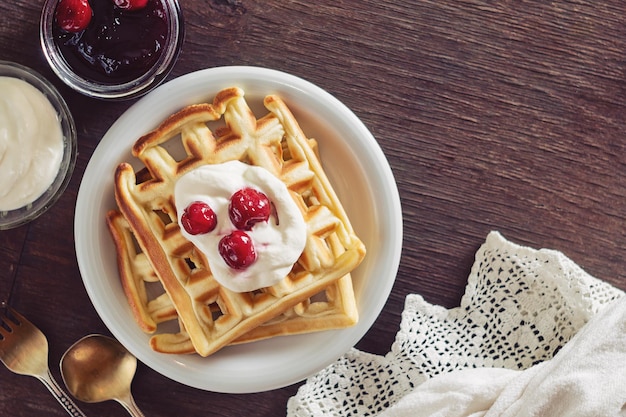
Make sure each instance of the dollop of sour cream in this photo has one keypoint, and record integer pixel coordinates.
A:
(278, 242)
(31, 143)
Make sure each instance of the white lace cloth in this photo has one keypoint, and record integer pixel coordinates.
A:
(521, 306)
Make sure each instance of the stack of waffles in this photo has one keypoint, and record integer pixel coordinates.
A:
(168, 282)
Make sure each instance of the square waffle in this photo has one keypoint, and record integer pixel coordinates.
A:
(168, 282)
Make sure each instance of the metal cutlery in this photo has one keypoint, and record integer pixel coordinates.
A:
(24, 350)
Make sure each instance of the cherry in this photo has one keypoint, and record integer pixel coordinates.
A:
(237, 250)
(248, 207)
(131, 4)
(73, 15)
(198, 218)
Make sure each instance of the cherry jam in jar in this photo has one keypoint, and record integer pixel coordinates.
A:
(118, 45)
(121, 53)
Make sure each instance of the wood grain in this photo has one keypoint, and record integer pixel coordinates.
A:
(494, 115)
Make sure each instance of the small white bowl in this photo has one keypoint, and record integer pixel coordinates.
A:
(17, 217)
(113, 90)
(359, 173)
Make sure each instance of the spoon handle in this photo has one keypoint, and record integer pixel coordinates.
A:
(60, 395)
(129, 404)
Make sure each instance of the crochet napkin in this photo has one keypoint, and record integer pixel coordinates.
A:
(535, 335)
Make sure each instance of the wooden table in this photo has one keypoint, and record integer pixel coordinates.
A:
(494, 115)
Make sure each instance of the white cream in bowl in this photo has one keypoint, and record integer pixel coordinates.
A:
(31, 143)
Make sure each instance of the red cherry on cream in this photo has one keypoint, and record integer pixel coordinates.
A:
(73, 15)
(237, 250)
(198, 218)
(248, 207)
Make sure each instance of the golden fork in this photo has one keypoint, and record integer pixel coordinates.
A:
(24, 350)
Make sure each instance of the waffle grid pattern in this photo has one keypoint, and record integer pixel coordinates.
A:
(167, 280)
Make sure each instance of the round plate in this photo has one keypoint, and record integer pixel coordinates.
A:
(355, 165)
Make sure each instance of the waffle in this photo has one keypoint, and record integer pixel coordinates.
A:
(168, 283)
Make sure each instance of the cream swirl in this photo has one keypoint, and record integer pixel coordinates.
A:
(278, 242)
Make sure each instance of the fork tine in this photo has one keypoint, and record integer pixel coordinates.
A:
(5, 321)
(12, 320)
(16, 319)
(3, 332)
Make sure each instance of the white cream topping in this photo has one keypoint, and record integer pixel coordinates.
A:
(278, 242)
(31, 143)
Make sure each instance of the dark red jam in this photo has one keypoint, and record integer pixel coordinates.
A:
(119, 45)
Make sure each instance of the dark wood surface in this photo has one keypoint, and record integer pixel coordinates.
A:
(494, 115)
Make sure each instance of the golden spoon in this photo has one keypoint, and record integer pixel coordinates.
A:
(98, 368)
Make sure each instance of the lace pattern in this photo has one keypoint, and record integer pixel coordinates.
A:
(520, 307)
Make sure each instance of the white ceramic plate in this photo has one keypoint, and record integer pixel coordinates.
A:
(355, 165)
